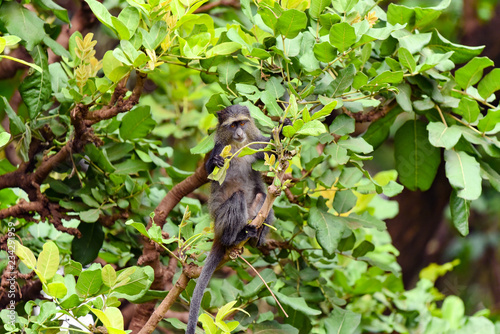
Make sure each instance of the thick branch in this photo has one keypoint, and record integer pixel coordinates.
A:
(165, 305)
(151, 256)
(174, 196)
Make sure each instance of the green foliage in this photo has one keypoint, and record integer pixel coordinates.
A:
(321, 65)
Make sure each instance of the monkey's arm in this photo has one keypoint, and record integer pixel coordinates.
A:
(215, 159)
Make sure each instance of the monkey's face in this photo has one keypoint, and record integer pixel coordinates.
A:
(238, 129)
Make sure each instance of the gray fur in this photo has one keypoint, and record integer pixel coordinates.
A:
(234, 203)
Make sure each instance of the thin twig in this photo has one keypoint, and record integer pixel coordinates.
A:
(263, 281)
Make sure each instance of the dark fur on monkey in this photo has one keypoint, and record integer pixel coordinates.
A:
(234, 202)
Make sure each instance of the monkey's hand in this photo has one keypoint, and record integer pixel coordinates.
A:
(251, 231)
(218, 161)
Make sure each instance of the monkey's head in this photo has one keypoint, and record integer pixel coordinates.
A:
(236, 125)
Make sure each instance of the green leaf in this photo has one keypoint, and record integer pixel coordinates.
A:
(113, 68)
(356, 144)
(59, 12)
(344, 201)
(57, 290)
(364, 220)
(363, 248)
(86, 248)
(415, 42)
(57, 48)
(227, 70)
(324, 52)
(108, 275)
(22, 22)
(491, 175)
(461, 53)
(274, 327)
(90, 216)
(137, 123)
(471, 73)
(460, 211)
(36, 88)
(441, 135)
(89, 282)
(463, 172)
(4, 138)
(342, 321)
(453, 311)
(223, 49)
(253, 288)
(337, 153)
(328, 229)
(297, 303)
(325, 111)
(258, 115)
(312, 128)
(137, 285)
(73, 268)
(25, 255)
(404, 97)
(291, 23)
(205, 145)
(490, 121)
(379, 130)
(343, 81)
(48, 261)
(131, 167)
(274, 87)
(489, 84)
(130, 17)
(101, 13)
(342, 36)
(468, 109)
(138, 226)
(120, 28)
(400, 14)
(416, 159)
(387, 77)
(317, 7)
(406, 59)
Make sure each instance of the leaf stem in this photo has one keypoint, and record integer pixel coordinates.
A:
(442, 116)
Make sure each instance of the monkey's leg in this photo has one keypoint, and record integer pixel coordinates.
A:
(231, 217)
(260, 238)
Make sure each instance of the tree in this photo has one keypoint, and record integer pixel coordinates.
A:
(102, 201)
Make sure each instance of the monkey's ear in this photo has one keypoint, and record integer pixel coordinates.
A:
(222, 115)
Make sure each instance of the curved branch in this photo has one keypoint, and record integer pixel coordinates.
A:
(150, 255)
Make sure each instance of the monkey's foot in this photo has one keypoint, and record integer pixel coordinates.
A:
(251, 231)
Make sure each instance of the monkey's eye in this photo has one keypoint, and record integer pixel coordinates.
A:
(242, 123)
(233, 125)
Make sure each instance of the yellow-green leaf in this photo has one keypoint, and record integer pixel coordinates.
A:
(48, 260)
(108, 275)
(57, 290)
(26, 255)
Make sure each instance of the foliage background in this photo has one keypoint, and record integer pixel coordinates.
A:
(117, 124)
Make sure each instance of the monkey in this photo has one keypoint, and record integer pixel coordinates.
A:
(234, 202)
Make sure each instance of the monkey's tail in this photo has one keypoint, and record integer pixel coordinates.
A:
(214, 258)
